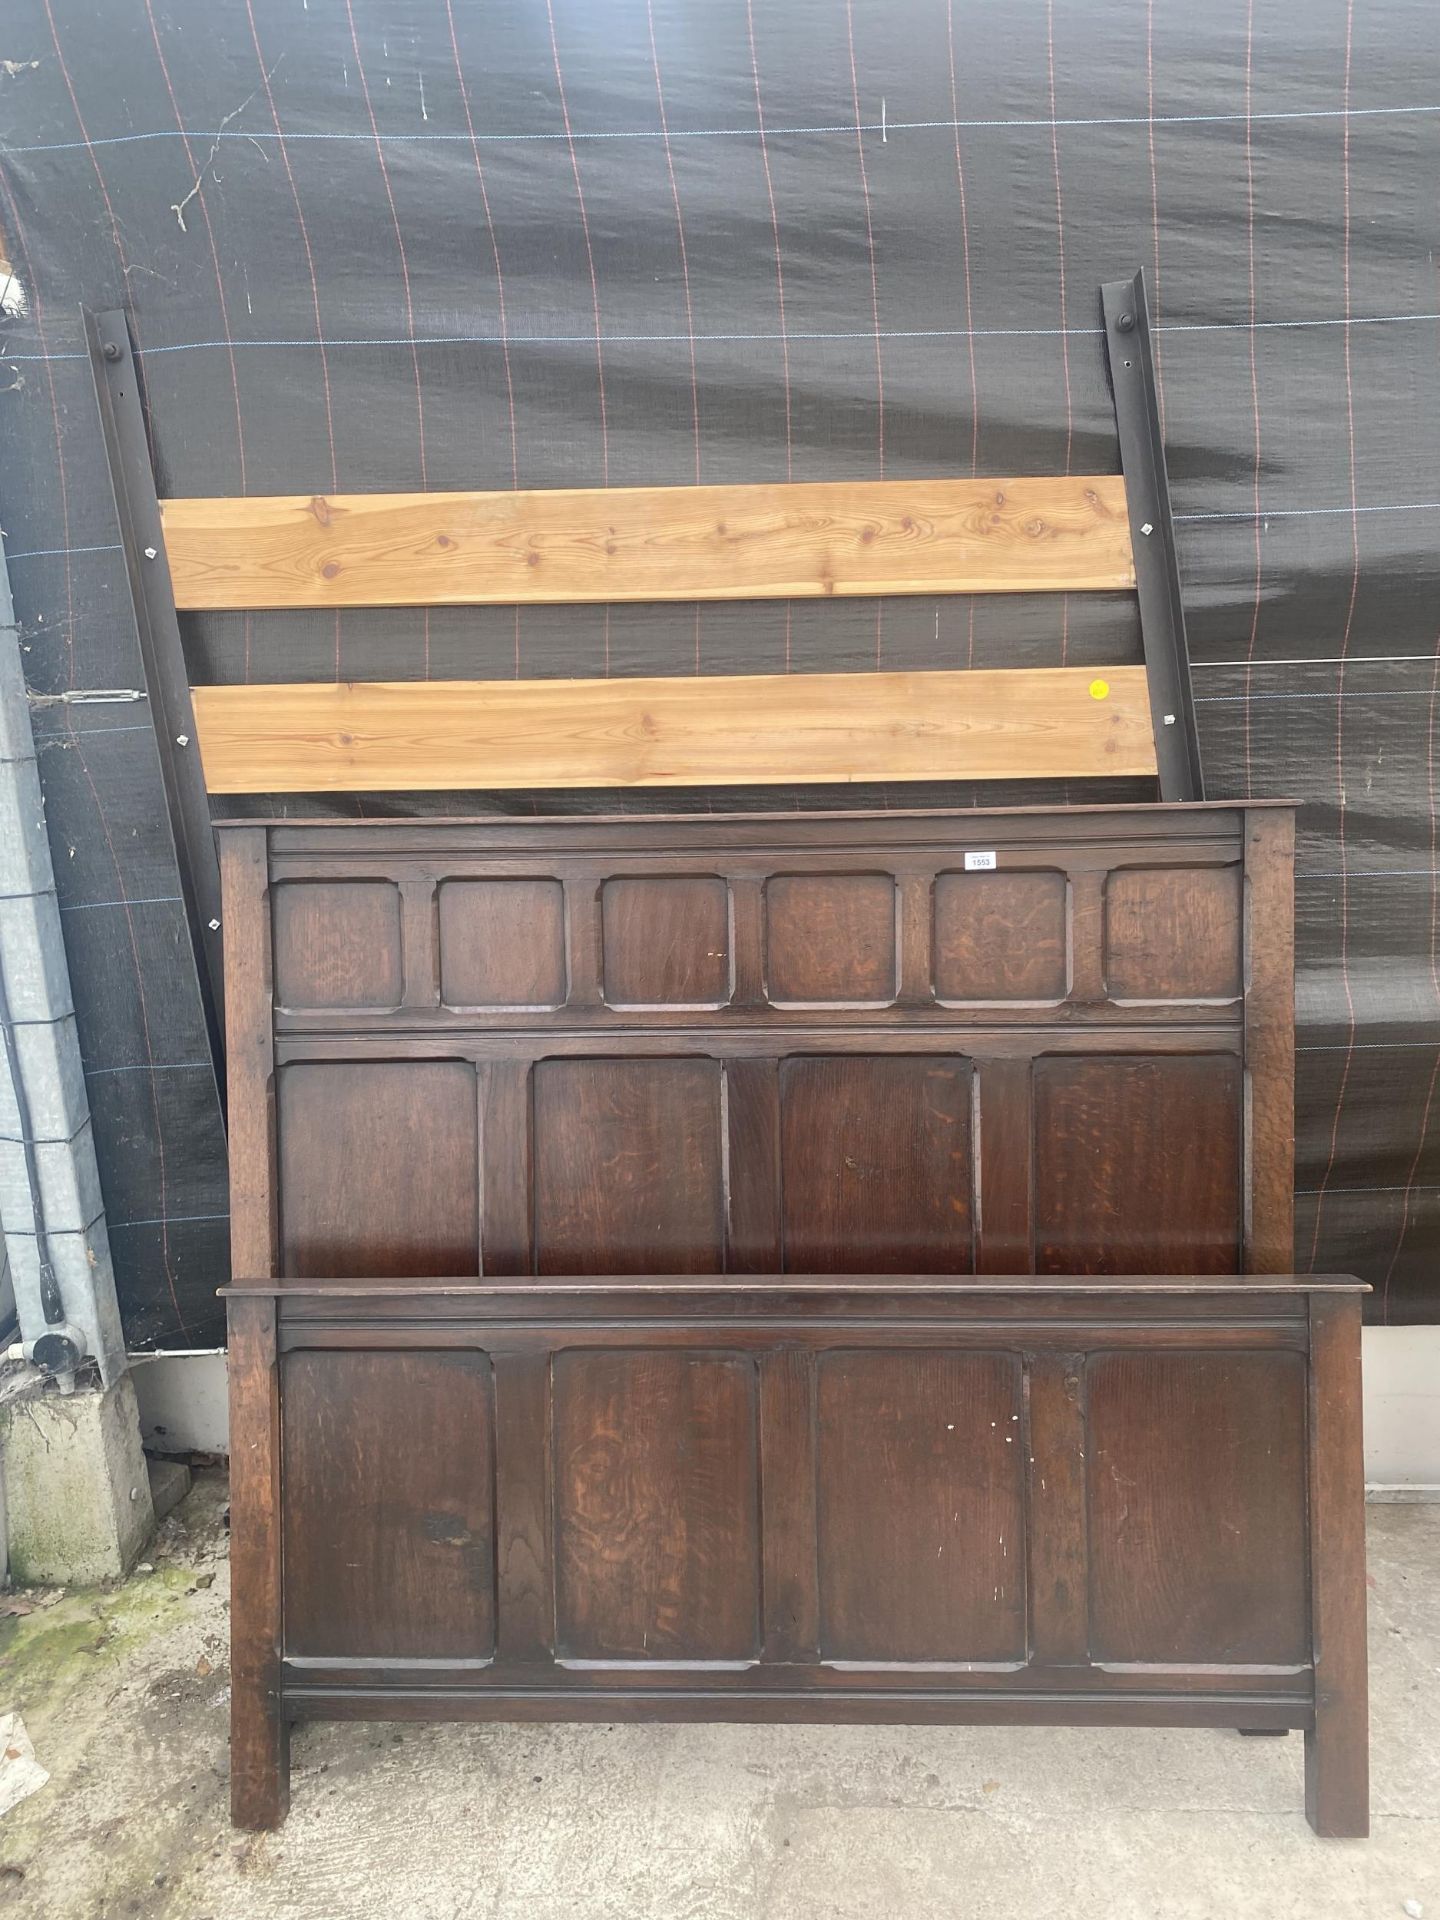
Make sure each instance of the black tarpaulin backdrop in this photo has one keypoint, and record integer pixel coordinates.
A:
(393, 244)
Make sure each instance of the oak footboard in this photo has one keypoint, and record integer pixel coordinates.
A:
(1035, 1500)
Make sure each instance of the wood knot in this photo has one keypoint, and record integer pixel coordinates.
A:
(320, 507)
(443, 540)
(867, 534)
(532, 559)
(331, 569)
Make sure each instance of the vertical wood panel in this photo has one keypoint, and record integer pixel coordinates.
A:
(830, 938)
(915, 929)
(921, 1506)
(1000, 936)
(250, 1053)
(419, 941)
(583, 960)
(379, 1166)
(389, 1532)
(1004, 1229)
(1337, 1783)
(1058, 1523)
(753, 1169)
(656, 1506)
(629, 1170)
(1173, 933)
(1270, 1041)
(1196, 1479)
(876, 1163)
(525, 1568)
(259, 1733)
(790, 1566)
(1087, 936)
(1137, 1163)
(747, 917)
(506, 1232)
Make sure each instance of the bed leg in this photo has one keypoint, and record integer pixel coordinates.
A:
(259, 1732)
(1337, 1758)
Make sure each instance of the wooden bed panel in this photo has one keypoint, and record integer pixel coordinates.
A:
(389, 1525)
(378, 1166)
(1196, 1484)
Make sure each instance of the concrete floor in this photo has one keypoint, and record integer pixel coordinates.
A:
(124, 1694)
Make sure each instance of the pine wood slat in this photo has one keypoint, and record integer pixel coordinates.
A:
(373, 736)
(803, 541)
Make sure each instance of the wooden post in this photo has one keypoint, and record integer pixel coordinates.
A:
(259, 1733)
(1337, 1758)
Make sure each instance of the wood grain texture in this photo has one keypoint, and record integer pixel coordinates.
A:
(666, 941)
(1196, 1485)
(249, 1052)
(875, 1172)
(1137, 1164)
(379, 1167)
(799, 541)
(830, 938)
(337, 943)
(502, 943)
(936, 1573)
(629, 1166)
(1270, 1040)
(1000, 936)
(259, 1732)
(656, 1513)
(389, 1549)
(1174, 933)
(731, 730)
(1337, 1774)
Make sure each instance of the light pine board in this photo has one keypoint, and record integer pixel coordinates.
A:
(651, 543)
(372, 736)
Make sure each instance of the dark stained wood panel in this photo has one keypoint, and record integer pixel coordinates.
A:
(1196, 1479)
(875, 1164)
(379, 1169)
(337, 943)
(389, 1535)
(657, 1543)
(1137, 1164)
(666, 941)
(937, 1574)
(831, 938)
(1000, 936)
(629, 1166)
(502, 943)
(1174, 933)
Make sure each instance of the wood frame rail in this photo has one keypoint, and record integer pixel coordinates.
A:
(736, 730)
(577, 546)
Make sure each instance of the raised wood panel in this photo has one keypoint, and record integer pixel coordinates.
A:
(337, 944)
(629, 1166)
(389, 1535)
(875, 1164)
(814, 539)
(938, 1572)
(1196, 1485)
(1137, 1164)
(1174, 933)
(1000, 936)
(378, 1168)
(831, 939)
(502, 943)
(730, 730)
(666, 941)
(657, 1540)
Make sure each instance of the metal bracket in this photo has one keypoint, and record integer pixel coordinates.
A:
(1152, 538)
(167, 680)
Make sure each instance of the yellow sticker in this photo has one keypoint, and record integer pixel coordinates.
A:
(1099, 689)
